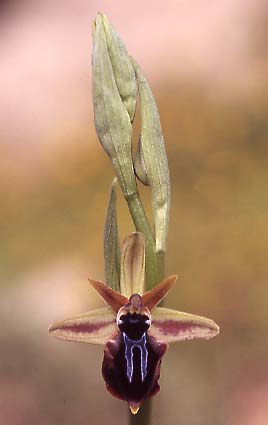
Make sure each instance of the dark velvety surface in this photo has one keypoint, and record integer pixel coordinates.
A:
(114, 369)
(134, 325)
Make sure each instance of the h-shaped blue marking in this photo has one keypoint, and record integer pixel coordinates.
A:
(141, 345)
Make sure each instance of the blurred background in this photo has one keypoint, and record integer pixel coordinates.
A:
(207, 65)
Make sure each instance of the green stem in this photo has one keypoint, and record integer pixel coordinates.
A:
(160, 258)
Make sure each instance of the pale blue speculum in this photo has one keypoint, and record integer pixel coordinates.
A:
(130, 344)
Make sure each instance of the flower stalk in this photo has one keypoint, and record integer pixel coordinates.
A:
(135, 332)
(116, 81)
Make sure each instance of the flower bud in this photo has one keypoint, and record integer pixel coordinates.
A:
(114, 100)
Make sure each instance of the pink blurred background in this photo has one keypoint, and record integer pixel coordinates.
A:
(207, 64)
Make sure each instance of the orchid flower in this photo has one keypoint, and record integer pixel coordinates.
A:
(134, 331)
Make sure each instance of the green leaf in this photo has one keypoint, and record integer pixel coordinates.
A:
(152, 157)
(111, 243)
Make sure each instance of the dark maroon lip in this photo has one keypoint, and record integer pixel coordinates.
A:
(115, 368)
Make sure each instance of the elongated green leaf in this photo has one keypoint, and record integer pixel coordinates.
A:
(111, 243)
(94, 327)
(133, 265)
(152, 156)
(172, 325)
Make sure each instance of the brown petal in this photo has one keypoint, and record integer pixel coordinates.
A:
(114, 299)
(151, 298)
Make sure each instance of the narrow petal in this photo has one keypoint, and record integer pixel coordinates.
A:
(114, 299)
(94, 327)
(151, 298)
(133, 265)
(172, 325)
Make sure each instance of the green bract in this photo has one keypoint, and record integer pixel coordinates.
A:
(111, 243)
(152, 160)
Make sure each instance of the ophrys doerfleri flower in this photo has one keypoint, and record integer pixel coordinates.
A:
(134, 331)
